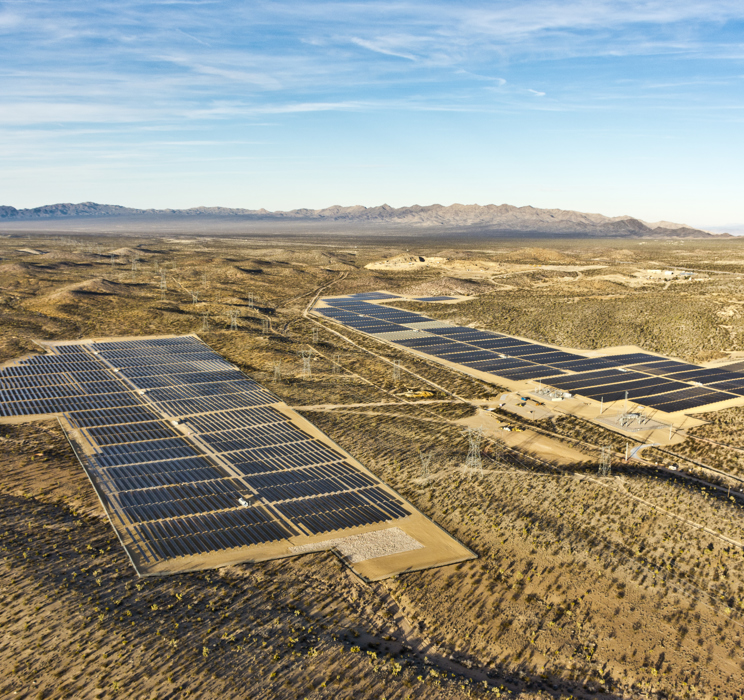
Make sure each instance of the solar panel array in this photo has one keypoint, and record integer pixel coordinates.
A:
(648, 380)
(177, 437)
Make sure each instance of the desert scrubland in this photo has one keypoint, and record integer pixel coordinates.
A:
(625, 586)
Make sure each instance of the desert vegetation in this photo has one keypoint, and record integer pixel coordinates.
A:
(625, 586)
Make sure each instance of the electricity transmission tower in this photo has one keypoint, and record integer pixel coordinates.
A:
(307, 356)
(396, 370)
(605, 461)
(194, 298)
(337, 366)
(250, 299)
(205, 321)
(475, 439)
(277, 372)
(204, 279)
(426, 458)
(113, 260)
(265, 326)
(233, 319)
(315, 336)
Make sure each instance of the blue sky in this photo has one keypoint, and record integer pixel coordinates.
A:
(615, 107)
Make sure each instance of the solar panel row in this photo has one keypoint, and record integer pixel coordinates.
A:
(650, 376)
(177, 501)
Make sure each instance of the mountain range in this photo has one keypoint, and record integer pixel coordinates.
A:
(495, 219)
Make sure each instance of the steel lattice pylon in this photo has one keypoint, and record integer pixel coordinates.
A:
(475, 440)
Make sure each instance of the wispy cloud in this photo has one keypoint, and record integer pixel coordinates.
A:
(383, 46)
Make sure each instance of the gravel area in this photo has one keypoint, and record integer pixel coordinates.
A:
(369, 545)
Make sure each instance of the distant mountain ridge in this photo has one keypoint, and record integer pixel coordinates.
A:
(497, 218)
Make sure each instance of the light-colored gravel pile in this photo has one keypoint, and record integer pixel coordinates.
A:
(369, 545)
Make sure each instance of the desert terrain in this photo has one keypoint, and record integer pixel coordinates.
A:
(629, 585)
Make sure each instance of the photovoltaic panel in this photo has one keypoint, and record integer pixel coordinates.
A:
(526, 350)
(584, 365)
(704, 376)
(732, 385)
(684, 400)
(588, 379)
(533, 372)
(635, 358)
(499, 364)
(550, 358)
(664, 367)
(615, 391)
